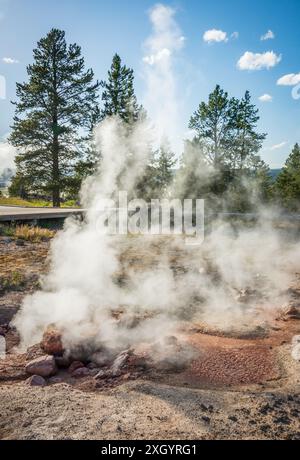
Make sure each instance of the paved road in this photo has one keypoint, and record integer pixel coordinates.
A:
(9, 213)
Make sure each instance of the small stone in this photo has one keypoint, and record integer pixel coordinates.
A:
(20, 242)
(75, 365)
(205, 419)
(81, 372)
(43, 366)
(36, 380)
(233, 418)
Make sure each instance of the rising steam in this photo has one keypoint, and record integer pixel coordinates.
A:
(119, 291)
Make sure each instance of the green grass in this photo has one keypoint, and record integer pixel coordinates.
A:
(13, 281)
(16, 201)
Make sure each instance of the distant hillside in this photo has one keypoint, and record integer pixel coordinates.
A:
(274, 173)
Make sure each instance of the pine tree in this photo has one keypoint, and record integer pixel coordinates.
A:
(287, 185)
(226, 130)
(244, 141)
(212, 123)
(53, 110)
(118, 93)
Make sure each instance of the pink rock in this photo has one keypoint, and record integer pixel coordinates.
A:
(36, 380)
(52, 342)
(43, 366)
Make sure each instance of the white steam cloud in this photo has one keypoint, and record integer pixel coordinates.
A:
(161, 97)
(7, 156)
(233, 280)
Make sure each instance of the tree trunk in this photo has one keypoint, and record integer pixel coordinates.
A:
(55, 173)
(55, 142)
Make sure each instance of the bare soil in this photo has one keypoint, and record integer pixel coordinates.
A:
(235, 387)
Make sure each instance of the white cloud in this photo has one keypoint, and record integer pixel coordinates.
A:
(290, 79)
(7, 155)
(234, 35)
(214, 35)
(278, 146)
(9, 60)
(268, 35)
(258, 61)
(266, 98)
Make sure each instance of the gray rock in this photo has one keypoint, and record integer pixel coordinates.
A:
(81, 372)
(36, 380)
(103, 374)
(120, 362)
(43, 366)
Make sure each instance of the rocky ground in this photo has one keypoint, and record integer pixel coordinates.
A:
(236, 387)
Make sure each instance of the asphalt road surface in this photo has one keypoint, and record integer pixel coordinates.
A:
(10, 213)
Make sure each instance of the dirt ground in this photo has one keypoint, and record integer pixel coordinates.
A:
(237, 387)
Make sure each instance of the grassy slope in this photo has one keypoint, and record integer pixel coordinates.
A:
(16, 201)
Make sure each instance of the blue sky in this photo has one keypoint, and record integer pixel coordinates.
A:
(103, 27)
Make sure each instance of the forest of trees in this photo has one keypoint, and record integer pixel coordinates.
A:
(57, 109)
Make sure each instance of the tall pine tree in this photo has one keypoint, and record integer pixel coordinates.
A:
(212, 123)
(52, 112)
(118, 93)
(243, 142)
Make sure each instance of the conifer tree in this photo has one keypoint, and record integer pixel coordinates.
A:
(118, 93)
(53, 113)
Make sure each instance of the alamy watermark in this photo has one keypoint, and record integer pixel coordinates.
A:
(156, 217)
